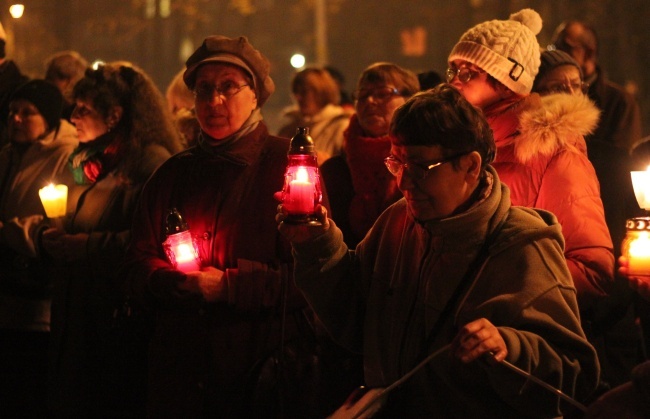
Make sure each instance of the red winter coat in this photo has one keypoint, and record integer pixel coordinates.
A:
(541, 156)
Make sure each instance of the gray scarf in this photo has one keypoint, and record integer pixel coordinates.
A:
(212, 145)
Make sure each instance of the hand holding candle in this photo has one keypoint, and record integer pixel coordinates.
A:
(54, 199)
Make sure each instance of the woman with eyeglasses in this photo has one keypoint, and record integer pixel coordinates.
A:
(40, 142)
(560, 80)
(223, 323)
(125, 132)
(358, 184)
(541, 150)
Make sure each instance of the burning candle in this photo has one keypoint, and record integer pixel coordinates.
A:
(300, 196)
(636, 245)
(179, 245)
(301, 193)
(182, 252)
(54, 199)
(639, 255)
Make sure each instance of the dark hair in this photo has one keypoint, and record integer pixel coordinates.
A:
(321, 82)
(442, 116)
(587, 38)
(429, 79)
(145, 118)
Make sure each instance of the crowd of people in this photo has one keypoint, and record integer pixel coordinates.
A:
(462, 259)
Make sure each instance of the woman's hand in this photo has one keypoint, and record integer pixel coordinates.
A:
(477, 338)
(208, 282)
(298, 233)
(64, 247)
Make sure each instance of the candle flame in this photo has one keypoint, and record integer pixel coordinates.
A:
(640, 247)
(51, 192)
(302, 175)
(184, 253)
(54, 198)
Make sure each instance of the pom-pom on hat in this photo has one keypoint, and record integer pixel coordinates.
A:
(237, 51)
(506, 49)
(45, 96)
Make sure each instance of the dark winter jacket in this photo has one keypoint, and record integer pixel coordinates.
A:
(203, 355)
(388, 295)
(88, 290)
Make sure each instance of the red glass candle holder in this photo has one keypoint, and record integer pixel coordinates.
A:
(180, 247)
(301, 193)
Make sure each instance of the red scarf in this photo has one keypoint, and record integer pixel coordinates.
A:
(503, 118)
(374, 187)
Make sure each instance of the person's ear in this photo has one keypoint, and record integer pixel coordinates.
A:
(471, 164)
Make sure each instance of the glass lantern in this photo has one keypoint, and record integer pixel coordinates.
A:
(301, 193)
(636, 244)
(180, 247)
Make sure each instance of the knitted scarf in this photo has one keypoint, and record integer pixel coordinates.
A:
(216, 146)
(374, 187)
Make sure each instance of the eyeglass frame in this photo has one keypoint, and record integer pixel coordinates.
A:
(451, 74)
(393, 92)
(218, 90)
(426, 169)
(563, 88)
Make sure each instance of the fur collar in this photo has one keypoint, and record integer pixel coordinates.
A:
(560, 121)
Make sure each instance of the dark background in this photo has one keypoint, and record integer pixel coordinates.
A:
(158, 35)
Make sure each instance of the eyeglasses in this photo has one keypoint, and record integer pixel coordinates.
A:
(566, 88)
(464, 74)
(379, 95)
(226, 89)
(415, 171)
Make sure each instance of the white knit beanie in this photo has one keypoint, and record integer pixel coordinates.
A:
(506, 49)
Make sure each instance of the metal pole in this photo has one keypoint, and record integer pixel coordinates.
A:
(320, 32)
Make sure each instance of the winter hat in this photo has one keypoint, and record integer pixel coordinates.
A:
(506, 49)
(555, 58)
(237, 51)
(45, 96)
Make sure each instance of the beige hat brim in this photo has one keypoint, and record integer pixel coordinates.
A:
(190, 73)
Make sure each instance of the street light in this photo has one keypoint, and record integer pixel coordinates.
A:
(17, 10)
(297, 61)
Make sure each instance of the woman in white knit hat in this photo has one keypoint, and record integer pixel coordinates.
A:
(541, 151)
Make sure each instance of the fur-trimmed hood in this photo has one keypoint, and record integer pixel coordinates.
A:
(560, 120)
